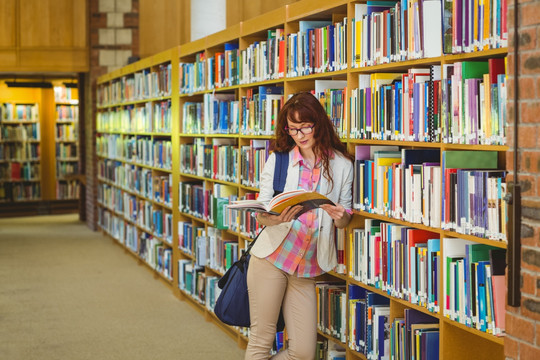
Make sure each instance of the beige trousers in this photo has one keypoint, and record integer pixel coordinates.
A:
(268, 287)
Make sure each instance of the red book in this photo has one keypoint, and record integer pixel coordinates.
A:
(496, 67)
(415, 237)
(15, 171)
(282, 56)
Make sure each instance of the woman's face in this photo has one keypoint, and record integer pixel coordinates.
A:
(302, 133)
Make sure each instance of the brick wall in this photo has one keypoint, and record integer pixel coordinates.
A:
(114, 37)
(523, 322)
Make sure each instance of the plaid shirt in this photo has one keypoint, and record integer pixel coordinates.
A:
(297, 254)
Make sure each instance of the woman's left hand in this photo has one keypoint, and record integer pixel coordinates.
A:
(338, 213)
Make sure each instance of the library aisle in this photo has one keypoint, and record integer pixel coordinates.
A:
(69, 293)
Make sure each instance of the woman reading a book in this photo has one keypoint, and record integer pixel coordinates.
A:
(292, 250)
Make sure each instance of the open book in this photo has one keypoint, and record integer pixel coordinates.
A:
(307, 199)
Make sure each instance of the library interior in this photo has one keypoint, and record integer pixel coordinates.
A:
(136, 132)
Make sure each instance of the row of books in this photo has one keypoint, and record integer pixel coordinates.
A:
(66, 151)
(129, 177)
(375, 335)
(213, 251)
(144, 187)
(217, 114)
(218, 160)
(192, 279)
(208, 204)
(66, 190)
(466, 105)
(407, 264)
(318, 47)
(384, 32)
(473, 108)
(474, 284)
(66, 168)
(195, 200)
(187, 233)
(64, 94)
(242, 222)
(20, 133)
(19, 171)
(156, 221)
(162, 224)
(473, 191)
(162, 187)
(67, 113)
(140, 150)
(155, 117)
(10, 191)
(329, 350)
(142, 85)
(147, 247)
(400, 260)
(66, 132)
(331, 309)
(19, 112)
(19, 151)
(407, 185)
(260, 108)
(155, 254)
(332, 95)
(252, 160)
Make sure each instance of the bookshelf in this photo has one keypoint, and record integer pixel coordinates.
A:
(31, 150)
(20, 160)
(67, 145)
(217, 156)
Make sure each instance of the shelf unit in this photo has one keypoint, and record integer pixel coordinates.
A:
(146, 116)
(67, 143)
(20, 164)
(457, 340)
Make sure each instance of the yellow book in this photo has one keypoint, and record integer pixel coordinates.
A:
(487, 13)
(415, 337)
(476, 20)
(486, 121)
(358, 34)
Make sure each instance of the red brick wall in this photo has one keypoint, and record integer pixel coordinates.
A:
(523, 322)
(114, 37)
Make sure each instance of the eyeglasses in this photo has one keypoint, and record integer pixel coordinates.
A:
(305, 130)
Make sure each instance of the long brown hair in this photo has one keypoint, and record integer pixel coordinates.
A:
(308, 109)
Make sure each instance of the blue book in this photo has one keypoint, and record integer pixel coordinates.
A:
(231, 46)
(372, 299)
(433, 245)
(481, 288)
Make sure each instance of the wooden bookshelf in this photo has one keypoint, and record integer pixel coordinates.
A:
(456, 340)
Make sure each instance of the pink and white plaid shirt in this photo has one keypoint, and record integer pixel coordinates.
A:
(297, 254)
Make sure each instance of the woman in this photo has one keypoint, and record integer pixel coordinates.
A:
(290, 253)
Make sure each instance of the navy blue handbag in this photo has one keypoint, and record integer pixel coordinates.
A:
(232, 305)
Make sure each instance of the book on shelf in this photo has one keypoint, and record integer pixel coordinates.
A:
(307, 199)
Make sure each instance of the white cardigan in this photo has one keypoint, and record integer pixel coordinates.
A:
(272, 236)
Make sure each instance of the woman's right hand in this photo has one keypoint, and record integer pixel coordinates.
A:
(286, 215)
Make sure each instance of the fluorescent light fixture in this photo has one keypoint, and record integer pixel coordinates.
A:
(29, 84)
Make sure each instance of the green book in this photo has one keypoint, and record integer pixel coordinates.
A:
(468, 159)
(474, 69)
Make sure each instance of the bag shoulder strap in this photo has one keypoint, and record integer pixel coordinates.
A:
(280, 171)
(280, 177)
